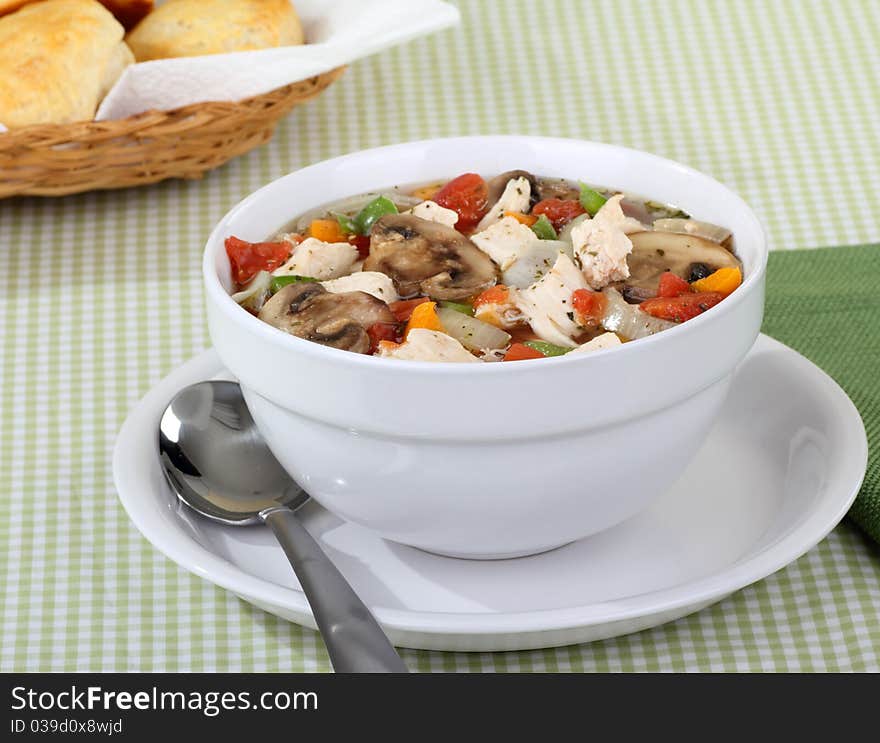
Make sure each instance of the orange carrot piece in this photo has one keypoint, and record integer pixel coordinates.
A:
(723, 281)
(327, 230)
(527, 219)
(424, 316)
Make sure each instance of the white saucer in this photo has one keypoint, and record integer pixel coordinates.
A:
(777, 473)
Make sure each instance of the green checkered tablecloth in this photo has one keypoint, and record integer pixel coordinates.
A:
(102, 297)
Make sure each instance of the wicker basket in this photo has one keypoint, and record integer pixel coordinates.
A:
(58, 159)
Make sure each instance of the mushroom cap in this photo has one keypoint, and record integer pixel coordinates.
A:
(341, 320)
(556, 188)
(423, 257)
(655, 252)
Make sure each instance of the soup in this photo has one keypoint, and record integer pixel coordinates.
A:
(510, 268)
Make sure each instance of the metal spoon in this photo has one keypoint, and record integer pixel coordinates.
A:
(218, 464)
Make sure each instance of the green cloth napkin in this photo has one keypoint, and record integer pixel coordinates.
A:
(825, 304)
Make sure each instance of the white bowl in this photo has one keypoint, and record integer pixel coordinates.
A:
(489, 460)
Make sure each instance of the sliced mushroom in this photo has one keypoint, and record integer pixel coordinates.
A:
(499, 183)
(656, 252)
(556, 188)
(423, 257)
(309, 311)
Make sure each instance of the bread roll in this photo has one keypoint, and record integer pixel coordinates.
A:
(58, 58)
(190, 28)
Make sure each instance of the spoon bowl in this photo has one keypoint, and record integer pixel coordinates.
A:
(218, 464)
(216, 460)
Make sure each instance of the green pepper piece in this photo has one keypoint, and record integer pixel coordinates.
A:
(548, 349)
(346, 224)
(280, 281)
(464, 309)
(544, 229)
(378, 207)
(591, 200)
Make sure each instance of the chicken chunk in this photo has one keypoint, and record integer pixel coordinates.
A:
(600, 342)
(601, 245)
(546, 304)
(433, 212)
(371, 282)
(426, 345)
(516, 197)
(504, 241)
(320, 260)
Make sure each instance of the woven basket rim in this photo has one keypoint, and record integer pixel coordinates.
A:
(151, 146)
(154, 116)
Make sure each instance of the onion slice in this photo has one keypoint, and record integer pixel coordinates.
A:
(475, 335)
(255, 294)
(628, 320)
(693, 227)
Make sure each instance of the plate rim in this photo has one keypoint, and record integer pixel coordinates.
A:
(825, 514)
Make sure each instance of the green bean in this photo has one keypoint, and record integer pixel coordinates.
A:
(548, 349)
(346, 223)
(464, 309)
(378, 207)
(544, 229)
(591, 200)
(281, 281)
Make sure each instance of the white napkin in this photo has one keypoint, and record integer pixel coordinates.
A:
(337, 32)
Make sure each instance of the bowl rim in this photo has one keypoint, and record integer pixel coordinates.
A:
(222, 300)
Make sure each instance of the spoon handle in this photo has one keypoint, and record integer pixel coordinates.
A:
(354, 640)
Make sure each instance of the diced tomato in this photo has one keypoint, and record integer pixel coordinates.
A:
(521, 352)
(497, 294)
(672, 285)
(248, 259)
(468, 195)
(589, 306)
(382, 331)
(362, 243)
(559, 211)
(403, 309)
(683, 307)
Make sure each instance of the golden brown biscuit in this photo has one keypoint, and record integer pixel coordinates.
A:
(58, 58)
(190, 28)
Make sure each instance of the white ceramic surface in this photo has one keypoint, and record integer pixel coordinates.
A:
(771, 480)
(487, 460)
